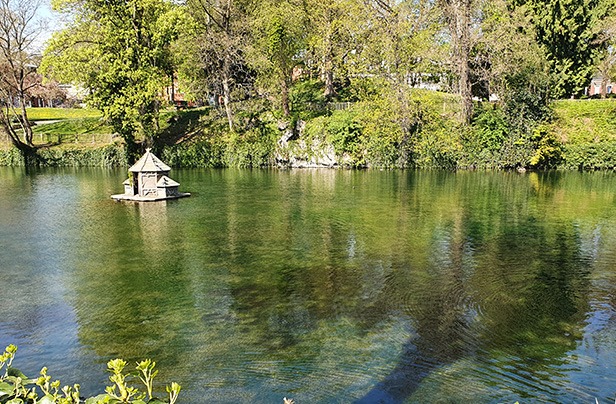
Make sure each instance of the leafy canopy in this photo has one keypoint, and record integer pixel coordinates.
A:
(120, 52)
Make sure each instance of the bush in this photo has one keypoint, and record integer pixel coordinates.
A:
(548, 150)
(308, 99)
(343, 131)
(111, 155)
(589, 156)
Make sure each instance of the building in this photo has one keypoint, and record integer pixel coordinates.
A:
(149, 181)
(595, 86)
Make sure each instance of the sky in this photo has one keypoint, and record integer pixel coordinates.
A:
(52, 21)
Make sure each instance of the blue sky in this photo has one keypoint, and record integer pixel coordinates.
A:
(52, 20)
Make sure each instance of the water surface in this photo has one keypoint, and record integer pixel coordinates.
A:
(321, 285)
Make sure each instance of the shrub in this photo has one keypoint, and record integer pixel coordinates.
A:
(589, 156)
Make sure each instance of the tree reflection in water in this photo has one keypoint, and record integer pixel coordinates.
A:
(337, 285)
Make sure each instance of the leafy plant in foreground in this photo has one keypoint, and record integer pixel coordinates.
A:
(16, 388)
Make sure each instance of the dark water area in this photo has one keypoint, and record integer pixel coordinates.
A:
(320, 285)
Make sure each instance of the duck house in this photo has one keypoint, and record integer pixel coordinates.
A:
(149, 181)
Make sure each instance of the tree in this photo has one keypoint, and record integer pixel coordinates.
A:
(18, 31)
(458, 16)
(513, 64)
(606, 60)
(331, 26)
(278, 38)
(218, 46)
(567, 31)
(120, 51)
(49, 92)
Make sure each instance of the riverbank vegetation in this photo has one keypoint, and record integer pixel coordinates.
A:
(451, 84)
(580, 134)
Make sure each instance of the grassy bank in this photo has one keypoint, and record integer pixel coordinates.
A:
(419, 129)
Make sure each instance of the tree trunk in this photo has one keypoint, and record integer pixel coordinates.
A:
(226, 96)
(458, 14)
(603, 89)
(328, 67)
(172, 90)
(286, 109)
(464, 49)
(329, 80)
(25, 123)
(28, 152)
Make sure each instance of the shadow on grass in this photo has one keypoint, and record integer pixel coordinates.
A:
(182, 125)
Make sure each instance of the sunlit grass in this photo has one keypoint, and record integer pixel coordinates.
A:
(92, 130)
(46, 114)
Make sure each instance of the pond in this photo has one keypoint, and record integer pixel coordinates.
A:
(320, 285)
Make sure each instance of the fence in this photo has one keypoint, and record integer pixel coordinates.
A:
(338, 106)
(45, 138)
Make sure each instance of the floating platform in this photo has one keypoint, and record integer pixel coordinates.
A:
(137, 198)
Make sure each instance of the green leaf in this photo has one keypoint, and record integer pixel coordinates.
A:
(101, 398)
(15, 401)
(5, 389)
(16, 373)
(46, 400)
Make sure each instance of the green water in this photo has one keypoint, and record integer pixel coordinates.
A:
(321, 285)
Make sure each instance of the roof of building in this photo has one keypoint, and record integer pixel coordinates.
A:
(149, 163)
(166, 182)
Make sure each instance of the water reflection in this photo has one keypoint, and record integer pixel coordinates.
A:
(331, 285)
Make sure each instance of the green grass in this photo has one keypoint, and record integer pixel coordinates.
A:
(74, 127)
(47, 114)
(73, 130)
(582, 121)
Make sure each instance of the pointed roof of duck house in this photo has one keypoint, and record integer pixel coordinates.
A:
(149, 163)
(166, 182)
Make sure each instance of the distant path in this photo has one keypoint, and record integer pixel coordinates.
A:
(46, 122)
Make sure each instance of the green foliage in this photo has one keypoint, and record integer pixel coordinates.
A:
(587, 121)
(11, 157)
(307, 99)
(253, 148)
(548, 150)
(343, 131)
(586, 131)
(147, 374)
(16, 388)
(491, 143)
(565, 28)
(387, 132)
(527, 100)
(121, 52)
(200, 154)
(383, 134)
(490, 128)
(278, 36)
(589, 156)
(111, 155)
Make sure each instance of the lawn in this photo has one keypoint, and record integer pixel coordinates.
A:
(73, 130)
(52, 114)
